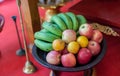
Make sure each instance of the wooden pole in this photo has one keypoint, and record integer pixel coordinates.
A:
(31, 17)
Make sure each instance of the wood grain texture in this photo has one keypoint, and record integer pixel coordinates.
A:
(31, 17)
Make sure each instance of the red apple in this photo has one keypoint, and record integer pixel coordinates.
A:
(84, 56)
(86, 30)
(94, 47)
(97, 36)
(65, 51)
(68, 60)
(69, 35)
(53, 57)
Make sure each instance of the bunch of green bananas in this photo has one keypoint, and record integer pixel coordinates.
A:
(53, 30)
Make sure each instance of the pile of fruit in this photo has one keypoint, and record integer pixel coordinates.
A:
(69, 40)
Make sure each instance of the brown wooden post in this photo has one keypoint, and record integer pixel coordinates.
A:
(31, 17)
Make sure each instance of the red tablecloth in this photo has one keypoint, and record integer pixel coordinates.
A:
(12, 65)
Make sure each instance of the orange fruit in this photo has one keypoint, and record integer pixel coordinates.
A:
(73, 47)
(58, 44)
(83, 41)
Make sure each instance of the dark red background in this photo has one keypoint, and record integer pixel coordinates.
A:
(12, 65)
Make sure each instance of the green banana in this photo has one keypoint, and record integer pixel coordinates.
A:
(45, 36)
(81, 19)
(74, 20)
(52, 28)
(57, 20)
(66, 19)
(44, 30)
(44, 46)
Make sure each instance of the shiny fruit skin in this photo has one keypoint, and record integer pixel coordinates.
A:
(69, 35)
(84, 56)
(53, 57)
(58, 45)
(73, 47)
(86, 30)
(97, 36)
(83, 41)
(94, 47)
(68, 60)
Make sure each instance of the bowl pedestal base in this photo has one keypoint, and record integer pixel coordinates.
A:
(88, 72)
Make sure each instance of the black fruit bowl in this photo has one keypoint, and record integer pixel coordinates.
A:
(40, 56)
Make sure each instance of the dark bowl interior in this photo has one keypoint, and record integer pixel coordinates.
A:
(40, 57)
